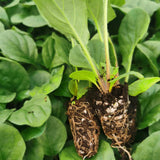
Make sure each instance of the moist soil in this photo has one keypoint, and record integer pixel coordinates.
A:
(84, 127)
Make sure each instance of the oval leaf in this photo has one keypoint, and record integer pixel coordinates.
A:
(4, 114)
(19, 47)
(149, 148)
(11, 142)
(142, 85)
(54, 137)
(33, 113)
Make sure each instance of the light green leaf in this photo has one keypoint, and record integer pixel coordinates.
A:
(95, 9)
(131, 31)
(142, 85)
(54, 137)
(149, 107)
(4, 114)
(73, 87)
(34, 21)
(83, 87)
(151, 51)
(19, 47)
(147, 5)
(118, 2)
(11, 142)
(52, 85)
(29, 133)
(13, 3)
(4, 17)
(67, 16)
(33, 113)
(149, 148)
(34, 151)
(13, 76)
(105, 152)
(1, 27)
(154, 128)
(84, 75)
(6, 96)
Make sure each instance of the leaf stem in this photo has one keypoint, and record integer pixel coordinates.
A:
(106, 42)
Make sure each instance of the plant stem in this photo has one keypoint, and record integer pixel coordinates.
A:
(106, 42)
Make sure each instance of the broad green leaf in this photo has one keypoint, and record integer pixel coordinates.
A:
(118, 2)
(52, 85)
(11, 142)
(83, 87)
(13, 76)
(34, 21)
(151, 50)
(19, 47)
(6, 96)
(142, 85)
(105, 152)
(147, 5)
(154, 128)
(58, 108)
(29, 133)
(149, 148)
(84, 75)
(54, 137)
(4, 17)
(13, 3)
(34, 151)
(2, 106)
(33, 113)
(1, 27)
(67, 16)
(149, 107)
(4, 114)
(95, 10)
(39, 78)
(131, 31)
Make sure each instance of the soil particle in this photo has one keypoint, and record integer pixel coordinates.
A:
(84, 127)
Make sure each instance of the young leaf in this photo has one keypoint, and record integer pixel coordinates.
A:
(82, 88)
(33, 113)
(151, 51)
(67, 17)
(142, 85)
(150, 147)
(131, 31)
(52, 85)
(54, 137)
(117, 2)
(19, 47)
(13, 146)
(84, 75)
(13, 76)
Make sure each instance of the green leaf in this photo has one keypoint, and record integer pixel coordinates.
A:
(131, 31)
(30, 133)
(34, 151)
(11, 142)
(142, 85)
(4, 114)
(4, 17)
(67, 17)
(13, 3)
(147, 5)
(83, 87)
(34, 21)
(13, 76)
(149, 107)
(52, 85)
(72, 86)
(1, 27)
(151, 51)
(6, 96)
(154, 128)
(54, 137)
(104, 152)
(33, 113)
(149, 148)
(84, 75)
(19, 47)
(95, 9)
(118, 2)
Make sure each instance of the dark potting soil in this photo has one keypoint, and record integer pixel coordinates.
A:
(84, 127)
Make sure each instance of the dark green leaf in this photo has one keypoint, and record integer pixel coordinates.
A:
(13, 76)
(149, 148)
(68, 17)
(18, 47)
(33, 113)
(54, 137)
(142, 85)
(154, 128)
(11, 142)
